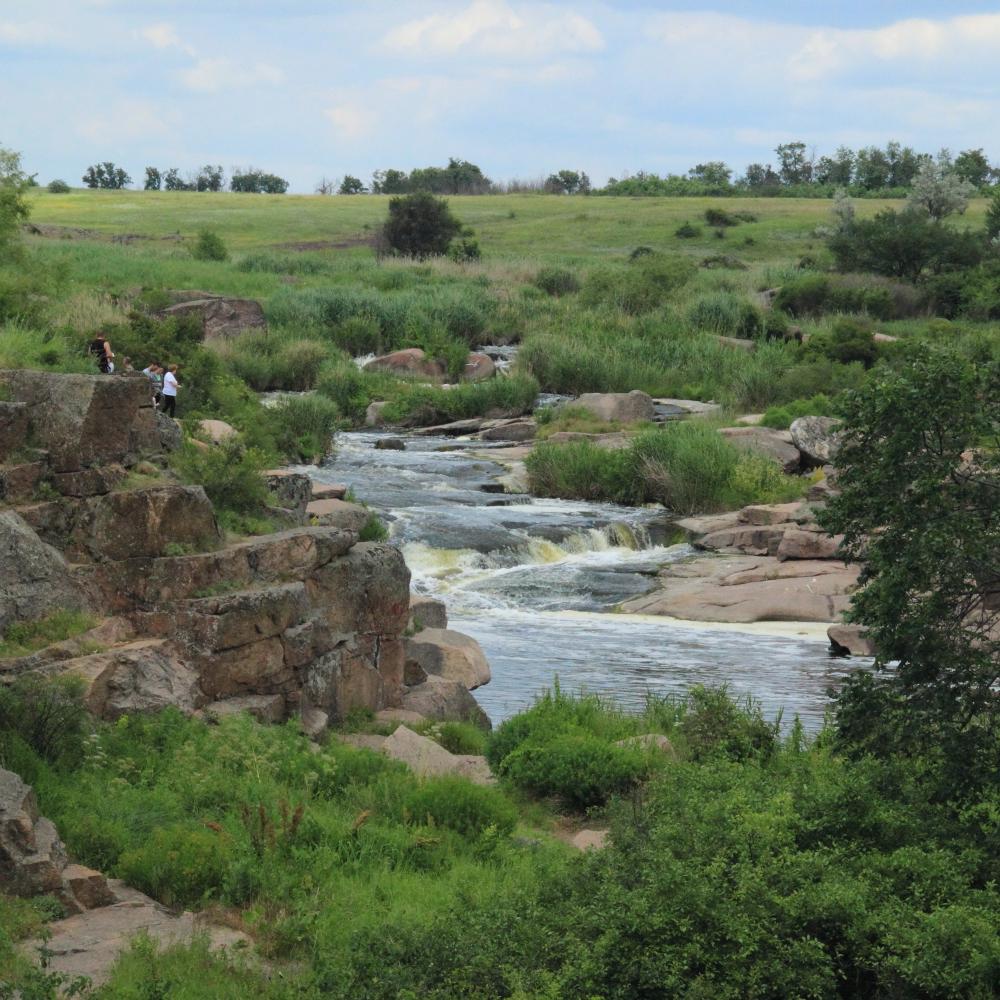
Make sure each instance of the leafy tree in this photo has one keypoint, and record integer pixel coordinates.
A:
(993, 217)
(58, 187)
(14, 208)
(872, 168)
(106, 175)
(209, 178)
(973, 166)
(921, 513)
(173, 181)
(793, 164)
(715, 173)
(938, 190)
(154, 180)
(254, 181)
(761, 175)
(836, 169)
(419, 225)
(351, 185)
(903, 164)
(390, 182)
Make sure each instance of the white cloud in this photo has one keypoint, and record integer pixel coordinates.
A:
(126, 120)
(163, 36)
(493, 27)
(215, 74)
(351, 121)
(25, 33)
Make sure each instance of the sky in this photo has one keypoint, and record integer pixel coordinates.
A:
(309, 89)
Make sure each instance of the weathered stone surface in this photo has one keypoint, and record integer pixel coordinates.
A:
(338, 514)
(427, 612)
(455, 428)
(390, 444)
(693, 407)
(134, 523)
(88, 944)
(429, 759)
(32, 857)
(88, 887)
(147, 675)
(346, 678)
(737, 343)
(293, 491)
(443, 653)
(95, 481)
(411, 361)
(772, 444)
(398, 715)
(623, 407)
(850, 640)
(242, 617)
(34, 577)
(222, 316)
(752, 539)
(263, 707)
(13, 427)
(613, 441)
(328, 491)
(255, 668)
(314, 722)
(706, 524)
(770, 513)
(817, 438)
(216, 431)
(169, 432)
(511, 430)
(81, 420)
(373, 415)
(444, 700)
(478, 368)
(19, 482)
(799, 544)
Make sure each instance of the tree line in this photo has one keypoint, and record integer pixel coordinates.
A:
(109, 176)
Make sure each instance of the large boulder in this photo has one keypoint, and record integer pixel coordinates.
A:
(621, 407)
(429, 759)
(478, 368)
(34, 577)
(850, 640)
(338, 514)
(293, 491)
(797, 543)
(427, 612)
(410, 361)
(13, 427)
(444, 701)
(443, 653)
(762, 441)
(84, 420)
(221, 316)
(817, 438)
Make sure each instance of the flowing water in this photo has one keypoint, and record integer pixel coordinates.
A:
(533, 580)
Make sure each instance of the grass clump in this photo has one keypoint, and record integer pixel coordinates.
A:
(421, 405)
(781, 417)
(304, 426)
(557, 281)
(209, 246)
(22, 638)
(726, 314)
(457, 804)
(646, 283)
(687, 231)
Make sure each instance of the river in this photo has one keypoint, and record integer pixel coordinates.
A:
(533, 581)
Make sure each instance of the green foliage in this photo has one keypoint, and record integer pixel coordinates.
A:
(580, 470)
(419, 225)
(255, 181)
(14, 208)
(557, 281)
(57, 187)
(919, 514)
(719, 217)
(464, 251)
(25, 637)
(373, 530)
(687, 231)
(781, 417)
(46, 716)
(713, 725)
(849, 340)
(726, 314)
(812, 294)
(106, 176)
(993, 216)
(457, 804)
(303, 426)
(209, 246)
(421, 405)
(230, 473)
(288, 263)
(644, 284)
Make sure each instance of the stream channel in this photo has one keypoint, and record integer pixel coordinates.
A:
(533, 580)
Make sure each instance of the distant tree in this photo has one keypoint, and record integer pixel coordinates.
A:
(938, 190)
(58, 187)
(715, 173)
(154, 180)
(567, 182)
(351, 185)
(172, 181)
(419, 225)
(466, 178)
(903, 164)
(106, 175)
(14, 208)
(872, 168)
(209, 178)
(761, 175)
(390, 182)
(794, 165)
(837, 169)
(254, 181)
(972, 166)
(325, 186)
(993, 217)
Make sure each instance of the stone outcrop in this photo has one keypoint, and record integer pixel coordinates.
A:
(427, 612)
(440, 652)
(220, 315)
(850, 640)
(410, 361)
(817, 438)
(776, 445)
(429, 759)
(437, 698)
(338, 514)
(13, 427)
(622, 407)
(478, 368)
(33, 859)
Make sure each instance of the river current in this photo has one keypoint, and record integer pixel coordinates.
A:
(535, 582)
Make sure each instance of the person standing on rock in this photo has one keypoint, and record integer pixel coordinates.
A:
(170, 387)
(100, 347)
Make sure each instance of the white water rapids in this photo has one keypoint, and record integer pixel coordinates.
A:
(534, 580)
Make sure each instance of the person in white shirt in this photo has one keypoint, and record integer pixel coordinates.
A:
(170, 387)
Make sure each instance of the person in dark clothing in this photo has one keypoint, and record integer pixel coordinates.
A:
(100, 347)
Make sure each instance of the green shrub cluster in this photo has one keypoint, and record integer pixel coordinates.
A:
(727, 314)
(781, 417)
(644, 284)
(557, 281)
(209, 246)
(422, 405)
(812, 294)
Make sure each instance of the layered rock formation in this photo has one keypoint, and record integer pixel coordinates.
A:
(304, 622)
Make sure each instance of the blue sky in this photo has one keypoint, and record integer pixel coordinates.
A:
(309, 89)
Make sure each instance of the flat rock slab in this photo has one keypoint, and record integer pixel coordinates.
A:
(429, 759)
(338, 514)
(693, 407)
(89, 943)
(590, 840)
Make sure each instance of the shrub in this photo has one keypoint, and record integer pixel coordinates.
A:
(579, 769)
(643, 285)
(727, 314)
(209, 246)
(58, 187)
(293, 263)
(719, 217)
(419, 225)
(464, 250)
(580, 470)
(849, 340)
(557, 281)
(373, 530)
(456, 804)
(230, 473)
(303, 426)
(21, 638)
(47, 715)
(781, 417)
(687, 231)
(421, 405)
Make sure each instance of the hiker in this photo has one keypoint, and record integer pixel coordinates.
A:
(154, 372)
(100, 347)
(170, 387)
(127, 366)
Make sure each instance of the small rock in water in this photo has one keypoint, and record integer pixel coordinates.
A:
(390, 444)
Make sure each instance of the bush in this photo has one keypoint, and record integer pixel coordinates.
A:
(726, 314)
(720, 218)
(687, 231)
(455, 803)
(58, 187)
(781, 417)
(464, 250)
(849, 340)
(419, 225)
(303, 426)
(209, 246)
(580, 470)
(230, 473)
(421, 405)
(557, 281)
(46, 715)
